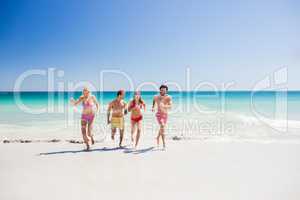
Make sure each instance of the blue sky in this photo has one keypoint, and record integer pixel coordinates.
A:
(150, 40)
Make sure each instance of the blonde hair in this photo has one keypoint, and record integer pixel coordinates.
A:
(86, 89)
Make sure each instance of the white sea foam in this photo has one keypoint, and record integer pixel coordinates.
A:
(227, 126)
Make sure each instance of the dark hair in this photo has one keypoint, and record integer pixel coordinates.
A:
(120, 92)
(163, 86)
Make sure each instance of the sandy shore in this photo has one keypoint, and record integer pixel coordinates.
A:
(186, 170)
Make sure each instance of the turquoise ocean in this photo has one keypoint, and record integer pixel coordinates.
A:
(231, 115)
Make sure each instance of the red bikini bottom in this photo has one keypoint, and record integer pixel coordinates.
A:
(136, 119)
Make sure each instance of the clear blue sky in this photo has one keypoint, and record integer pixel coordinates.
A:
(150, 40)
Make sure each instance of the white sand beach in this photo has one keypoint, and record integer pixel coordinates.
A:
(188, 169)
(218, 80)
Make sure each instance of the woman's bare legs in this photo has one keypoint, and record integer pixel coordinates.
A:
(139, 128)
(132, 130)
(84, 134)
(89, 132)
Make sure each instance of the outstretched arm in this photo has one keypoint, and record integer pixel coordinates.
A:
(97, 104)
(144, 105)
(130, 106)
(76, 102)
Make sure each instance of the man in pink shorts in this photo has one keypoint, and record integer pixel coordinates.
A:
(163, 102)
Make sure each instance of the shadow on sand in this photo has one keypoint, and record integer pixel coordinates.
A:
(139, 151)
(104, 149)
(83, 151)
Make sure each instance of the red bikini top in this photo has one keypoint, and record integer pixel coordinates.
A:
(134, 104)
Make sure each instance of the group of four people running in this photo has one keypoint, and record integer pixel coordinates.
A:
(117, 109)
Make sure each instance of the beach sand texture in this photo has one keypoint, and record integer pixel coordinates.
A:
(188, 169)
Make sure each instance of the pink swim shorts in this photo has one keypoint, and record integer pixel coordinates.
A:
(161, 117)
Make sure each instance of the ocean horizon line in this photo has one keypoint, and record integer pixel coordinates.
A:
(44, 91)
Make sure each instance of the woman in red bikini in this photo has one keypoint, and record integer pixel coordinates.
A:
(135, 107)
(87, 116)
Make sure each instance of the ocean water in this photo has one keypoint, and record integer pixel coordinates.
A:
(233, 115)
